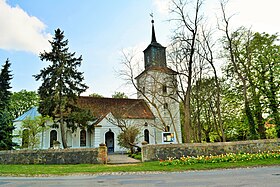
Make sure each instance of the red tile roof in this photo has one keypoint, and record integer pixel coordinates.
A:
(120, 108)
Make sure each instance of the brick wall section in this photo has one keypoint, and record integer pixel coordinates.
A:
(51, 156)
(162, 152)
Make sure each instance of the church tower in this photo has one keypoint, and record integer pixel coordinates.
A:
(157, 85)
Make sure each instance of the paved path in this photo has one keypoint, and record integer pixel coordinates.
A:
(121, 159)
(247, 177)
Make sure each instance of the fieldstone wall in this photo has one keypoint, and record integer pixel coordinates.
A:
(53, 156)
(162, 152)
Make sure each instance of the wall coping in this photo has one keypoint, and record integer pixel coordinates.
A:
(47, 150)
(215, 143)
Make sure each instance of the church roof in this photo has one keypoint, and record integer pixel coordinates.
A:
(100, 107)
(32, 113)
(120, 108)
(159, 69)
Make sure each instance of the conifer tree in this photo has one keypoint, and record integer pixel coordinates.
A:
(62, 82)
(6, 125)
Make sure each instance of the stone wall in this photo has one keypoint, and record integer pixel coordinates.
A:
(55, 156)
(162, 152)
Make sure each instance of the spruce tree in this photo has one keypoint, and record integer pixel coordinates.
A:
(61, 82)
(6, 124)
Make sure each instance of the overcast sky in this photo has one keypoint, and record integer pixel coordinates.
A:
(99, 30)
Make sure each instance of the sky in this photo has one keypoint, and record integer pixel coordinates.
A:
(100, 30)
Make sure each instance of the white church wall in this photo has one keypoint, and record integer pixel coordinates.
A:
(16, 133)
(94, 138)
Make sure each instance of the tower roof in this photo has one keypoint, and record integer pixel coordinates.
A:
(154, 40)
(154, 54)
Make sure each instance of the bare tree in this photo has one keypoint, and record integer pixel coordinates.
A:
(208, 54)
(184, 54)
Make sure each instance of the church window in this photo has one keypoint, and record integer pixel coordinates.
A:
(83, 137)
(167, 129)
(25, 138)
(53, 137)
(146, 135)
(165, 106)
(143, 90)
(164, 89)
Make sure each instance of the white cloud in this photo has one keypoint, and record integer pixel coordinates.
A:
(262, 16)
(162, 6)
(20, 31)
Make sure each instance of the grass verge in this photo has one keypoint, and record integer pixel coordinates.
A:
(47, 170)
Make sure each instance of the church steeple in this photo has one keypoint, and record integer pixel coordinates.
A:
(154, 54)
(154, 40)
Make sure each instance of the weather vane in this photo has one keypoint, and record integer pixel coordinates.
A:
(152, 16)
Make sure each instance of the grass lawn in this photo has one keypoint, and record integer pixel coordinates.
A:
(45, 170)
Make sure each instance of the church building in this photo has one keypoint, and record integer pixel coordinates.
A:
(155, 111)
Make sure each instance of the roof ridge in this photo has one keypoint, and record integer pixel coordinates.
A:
(109, 98)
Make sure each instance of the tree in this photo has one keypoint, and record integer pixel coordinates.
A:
(128, 138)
(188, 55)
(239, 56)
(253, 68)
(62, 82)
(119, 95)
(22, 101)
(208, 54)
(6, 124)
(33, 127)
(5, 81)
(96, 95)
(266, 73)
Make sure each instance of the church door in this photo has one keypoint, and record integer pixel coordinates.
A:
(109, 141)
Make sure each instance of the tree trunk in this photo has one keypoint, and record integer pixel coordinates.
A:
(260, 120)
(187, 116)
(207, 137)
(273, 103)
(275, 114)
(250, 120)
(63, 134)
(218, 105)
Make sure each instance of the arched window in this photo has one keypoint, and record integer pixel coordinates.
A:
(83, 138)
(53, 137)
(167, 129)
(146, 136)
(25, 138)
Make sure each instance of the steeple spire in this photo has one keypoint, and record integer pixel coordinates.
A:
(154, 54)
(154, 40)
